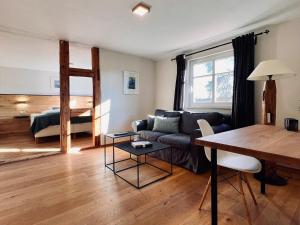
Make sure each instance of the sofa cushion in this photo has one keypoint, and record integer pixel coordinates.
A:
(166, 124)
(189, 120)
(180, 141)
(150, 135)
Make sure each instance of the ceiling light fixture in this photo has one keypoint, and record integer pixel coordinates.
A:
(141, 9)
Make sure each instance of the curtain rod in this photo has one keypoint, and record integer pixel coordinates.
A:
(217, 46)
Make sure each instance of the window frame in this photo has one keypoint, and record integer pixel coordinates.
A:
(188, 93)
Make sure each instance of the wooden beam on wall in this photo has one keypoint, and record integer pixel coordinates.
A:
(96, 96)
(65, 126)
(77, 72)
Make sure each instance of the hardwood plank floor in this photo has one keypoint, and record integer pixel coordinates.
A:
(71, 189)
(21, 146)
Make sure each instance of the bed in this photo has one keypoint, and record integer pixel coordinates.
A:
(47, 124)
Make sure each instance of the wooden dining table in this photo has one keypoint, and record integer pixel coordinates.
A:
(265, 142)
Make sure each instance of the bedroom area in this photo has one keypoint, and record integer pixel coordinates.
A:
(30, 98)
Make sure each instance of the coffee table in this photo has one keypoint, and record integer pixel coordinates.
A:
(139, 152)
(113, 137)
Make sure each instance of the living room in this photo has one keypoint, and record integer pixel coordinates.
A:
(155, 112)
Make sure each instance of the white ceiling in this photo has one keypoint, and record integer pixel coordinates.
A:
(173, 26)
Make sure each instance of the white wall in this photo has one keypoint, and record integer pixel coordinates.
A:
(283, 42)
(165, 84)
(38, 82)
(26, 65)
(119, 110)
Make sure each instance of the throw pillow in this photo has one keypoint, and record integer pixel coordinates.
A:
(166, 124)
(150, 122)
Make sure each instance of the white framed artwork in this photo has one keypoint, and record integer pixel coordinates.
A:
(131, 83)
(54, 83)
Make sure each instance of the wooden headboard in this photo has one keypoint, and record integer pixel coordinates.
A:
(15, 105)
(12, 106)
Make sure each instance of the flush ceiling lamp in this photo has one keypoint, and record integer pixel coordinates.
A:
(141, 9)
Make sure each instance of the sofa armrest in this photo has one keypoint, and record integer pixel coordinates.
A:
(221, 128)
(217, 129)
(195, 134)
(139, 125)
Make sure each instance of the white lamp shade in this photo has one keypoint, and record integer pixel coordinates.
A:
(274, 68)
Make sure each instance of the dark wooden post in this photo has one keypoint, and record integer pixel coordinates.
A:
(65, 126)
(269, 102)
(65, 73)
(96, 96)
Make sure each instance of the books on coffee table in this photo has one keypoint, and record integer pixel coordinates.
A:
(141, 144)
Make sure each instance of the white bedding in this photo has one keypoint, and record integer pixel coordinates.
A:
(55, 130)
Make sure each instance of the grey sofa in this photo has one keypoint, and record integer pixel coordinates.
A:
(185, 153)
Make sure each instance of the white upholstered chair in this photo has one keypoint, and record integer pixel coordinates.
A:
(241, 163)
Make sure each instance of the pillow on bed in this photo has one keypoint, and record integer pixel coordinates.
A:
(50, 111)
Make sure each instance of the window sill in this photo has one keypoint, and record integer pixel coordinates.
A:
(212, 106)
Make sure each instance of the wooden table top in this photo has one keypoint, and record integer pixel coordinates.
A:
(261, 141)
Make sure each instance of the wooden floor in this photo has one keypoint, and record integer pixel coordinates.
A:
(22, 146)
(76, 189)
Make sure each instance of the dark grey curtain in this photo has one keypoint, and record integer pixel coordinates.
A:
(178, 98)
(243, 90)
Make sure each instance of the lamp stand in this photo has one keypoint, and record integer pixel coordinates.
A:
(269, 102)
(269, 118)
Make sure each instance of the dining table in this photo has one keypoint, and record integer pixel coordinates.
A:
(264, 142)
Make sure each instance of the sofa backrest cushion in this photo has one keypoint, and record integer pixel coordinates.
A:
(172, 114)
(150, 122)
(165, 113)
(189, 120)
(159, 112)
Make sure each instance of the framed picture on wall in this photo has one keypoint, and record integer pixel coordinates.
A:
(54, 83)
(131, 83)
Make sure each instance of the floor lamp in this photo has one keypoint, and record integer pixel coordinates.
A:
(269, 71)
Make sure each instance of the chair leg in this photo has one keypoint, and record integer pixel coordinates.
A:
(205, 193)
(243, 195)
(250, 189)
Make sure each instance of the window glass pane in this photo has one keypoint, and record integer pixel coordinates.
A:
(224, 87)
(202, 89)
(224, 65)
(200, 69)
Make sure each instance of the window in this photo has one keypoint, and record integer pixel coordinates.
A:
(210, 81)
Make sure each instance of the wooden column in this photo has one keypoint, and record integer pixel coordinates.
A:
(65, 73)
(65, 126)
(96, 97)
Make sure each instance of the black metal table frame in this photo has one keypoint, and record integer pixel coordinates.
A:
(113, 146)
(137, 165)
(214, 185)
